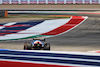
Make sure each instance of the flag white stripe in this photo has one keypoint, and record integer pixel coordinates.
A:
(43, 27)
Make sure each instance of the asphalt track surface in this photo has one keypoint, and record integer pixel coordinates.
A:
(85, 37)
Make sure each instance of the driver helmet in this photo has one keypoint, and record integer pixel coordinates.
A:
(37, 42)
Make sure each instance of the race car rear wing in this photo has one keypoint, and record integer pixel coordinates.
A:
(38, 39)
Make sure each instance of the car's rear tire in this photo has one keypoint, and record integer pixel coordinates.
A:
(27, 46)
(47, 46)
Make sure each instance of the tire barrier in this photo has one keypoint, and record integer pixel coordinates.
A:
(41, 28)
(3, 14)
(30, 58)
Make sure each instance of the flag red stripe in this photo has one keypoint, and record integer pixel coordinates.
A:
(22, 64)
(72, 23)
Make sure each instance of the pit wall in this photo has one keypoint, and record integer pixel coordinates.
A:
(32, 58)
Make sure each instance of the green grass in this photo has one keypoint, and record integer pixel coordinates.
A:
(3, 17)
(36, 16)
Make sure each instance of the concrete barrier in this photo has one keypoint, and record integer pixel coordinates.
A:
(31, 58)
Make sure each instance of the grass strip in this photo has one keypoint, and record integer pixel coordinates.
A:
(38, 16)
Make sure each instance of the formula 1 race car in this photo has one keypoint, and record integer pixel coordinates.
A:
(37, 44)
